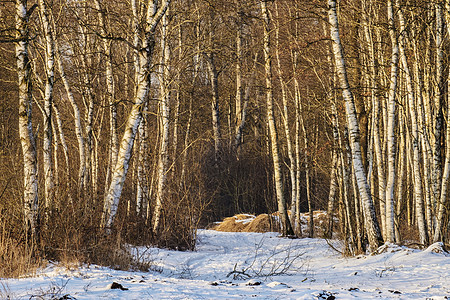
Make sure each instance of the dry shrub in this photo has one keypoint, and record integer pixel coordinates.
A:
(409, 235)
(320, 222)
(17, 258)
(183, 209)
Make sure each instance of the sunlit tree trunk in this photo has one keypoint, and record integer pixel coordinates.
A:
(372, 82)
(286, 224)
(391, 145)
(418, 191)
(164, 126)
(285, 116)
(371, 222)
(62, 140)
(239, 85)
(213, 77)
(442, 203)
(442, 206)
(177, 97)
(142, 167)
(49, 59)
(153, 16)
(76, 116)
(426, 149)
(307, 169)
(27, 139)
(438, 119)
(107, 52)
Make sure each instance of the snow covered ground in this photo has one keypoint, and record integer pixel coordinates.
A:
(249, 265)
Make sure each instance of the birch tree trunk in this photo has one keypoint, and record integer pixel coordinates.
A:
(142, 168)
(63, 141)
(213, 77)
(371, 222)
(239, 87)
(443, 199)
(418, 191)
(391, 145)
(373, 84)
(153, 16)
(438, 100)
(48, 100)
(442, 203)
(286, 224)
(285, 117)
(30, 171)
(107, 47)
(298, 226)
(177, 97)
(164, 121)
(77, 119)
(427, 151)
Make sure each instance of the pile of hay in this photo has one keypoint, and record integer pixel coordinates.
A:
(248, 223)
(234, 224)
(267, 223)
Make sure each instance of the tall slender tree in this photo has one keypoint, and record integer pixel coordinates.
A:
(371, 222)
(286, 224)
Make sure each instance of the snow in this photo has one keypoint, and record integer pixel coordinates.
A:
(230, 265)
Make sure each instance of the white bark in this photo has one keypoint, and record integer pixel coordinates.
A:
(443, 199)
(48, 100)
(239, 87)
(286, 224)
(30, 171)
(298, 226)
(418, 191)
(285, 117)
(391, 145)
(427, 152)
(107, 47)
(77, 119)
(371, 223)
(438, 118)
(154, 14)
(178, 96)
(142, 168)
(213, 77)
(164, 126)
(441, 207)
(372, 82)
(63, 140)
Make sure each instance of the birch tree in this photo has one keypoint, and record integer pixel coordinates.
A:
(285, 117)
(154, 13)
(164, 125)
(418, 191)
(107, 52)
(442, 205)
(286, 224)
(391, 145)
(48, 100)
(27, 139)
(371, 222)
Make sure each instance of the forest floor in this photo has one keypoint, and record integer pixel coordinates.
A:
(244, 265)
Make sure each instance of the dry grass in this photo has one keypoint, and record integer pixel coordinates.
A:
(16, 258)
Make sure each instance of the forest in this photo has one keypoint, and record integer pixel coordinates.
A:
(140, 121)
